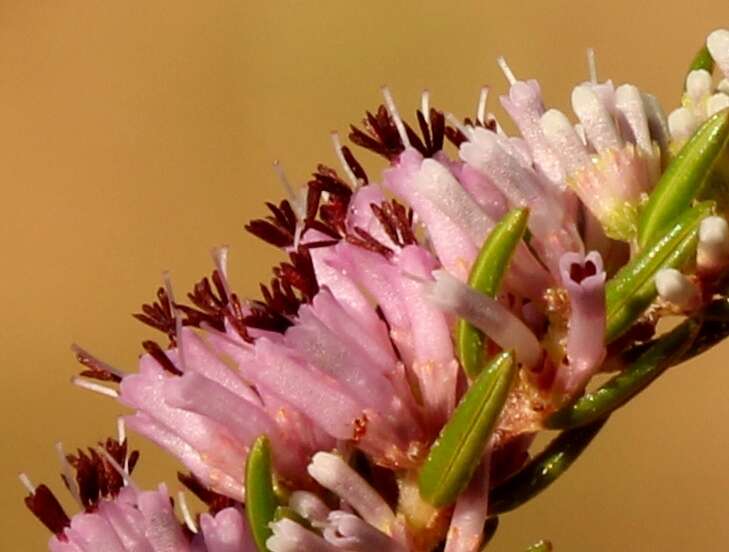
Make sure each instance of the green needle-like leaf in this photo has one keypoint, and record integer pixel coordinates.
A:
(460, 446)
(541, 546)
(261, 500)
(633, 289)
(627, 384)
(543, 469)
(684, 178)
(702, 60)
(486, 276)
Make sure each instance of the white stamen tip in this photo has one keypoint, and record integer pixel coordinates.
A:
(27, 483)
(675, 288)
(185, 511)
(95, 387)
(481, 110)
(338, 149)
(508, 73)
(592, 65)
(425, 105)
(395, 114)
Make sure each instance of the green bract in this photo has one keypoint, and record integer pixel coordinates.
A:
(486, 276)
(702, 60)
(632, 289)
(656, 358)
(684, 178)
(543, 469)
(460, 446)
(261, 500)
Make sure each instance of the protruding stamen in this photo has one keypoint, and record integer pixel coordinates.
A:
(185, 511)
(392, 109)
(481, 110)
(121, 430)
(166, 278)
(95, 387)
(308, 506)
(508, 73)
(592, 65)
(114, 464)
(27, 483)
(67, 473)
(342, 161)
(425, 105)
(676, 288)
(453, 120)
(294, 199)
(220, 260)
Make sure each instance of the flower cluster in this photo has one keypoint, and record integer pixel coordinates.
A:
(385, 391)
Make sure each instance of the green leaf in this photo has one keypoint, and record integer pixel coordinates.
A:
(702, 60)
(486, 276)
(460, 446)
(632, 289)
(261, 500)
(543, 469)
(541, 546)
(656, 358)
(684, 178)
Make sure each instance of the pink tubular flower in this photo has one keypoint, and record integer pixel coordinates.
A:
(389, 329)
(584, 279)
(118, 517)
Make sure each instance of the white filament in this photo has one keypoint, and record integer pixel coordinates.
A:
(395, 114)
(95, 387)
(337, 142)
(67, 473)
(185, 511)
(508, 73)
(592, 65)
(425, 105)
(481, 110)
(26, 482)
(294, 200)
(114, 464)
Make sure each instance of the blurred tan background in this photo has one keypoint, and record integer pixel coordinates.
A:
(136, 135)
